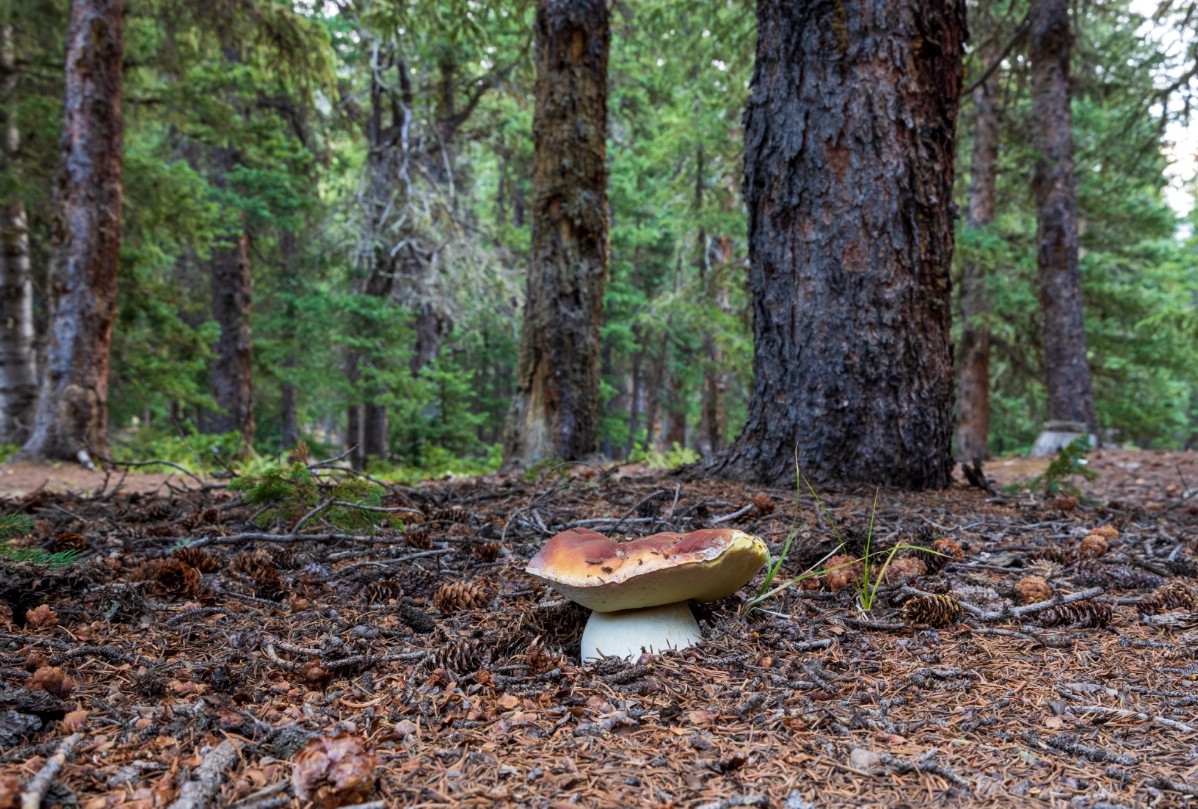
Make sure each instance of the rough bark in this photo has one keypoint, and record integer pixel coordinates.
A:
(72, 411)
(849, 136)
(18, 354)
(232, 361)
(554, 410)
(1066, 368)
(973, 414)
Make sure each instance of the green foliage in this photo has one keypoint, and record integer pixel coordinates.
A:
(672, 458)
(1070, 462)
(289, 494)
(15, 526)
(187, 447)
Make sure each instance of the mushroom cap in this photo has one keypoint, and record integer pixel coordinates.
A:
(604, 575)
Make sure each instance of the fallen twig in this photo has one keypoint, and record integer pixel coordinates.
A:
(199, 792)
(39, 784)
(900, 765)
(1126, 713)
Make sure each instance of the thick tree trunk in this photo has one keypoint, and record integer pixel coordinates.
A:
(18, 354)
(973, 415)
(72, 411)
(554, 410)
(849, 138)
(232, 362)
(1066, 368)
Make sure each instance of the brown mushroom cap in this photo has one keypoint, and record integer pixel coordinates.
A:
(604, 575)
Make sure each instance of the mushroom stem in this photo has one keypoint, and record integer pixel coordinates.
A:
(628, 633)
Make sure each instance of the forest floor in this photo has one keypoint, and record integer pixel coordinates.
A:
(152, 673)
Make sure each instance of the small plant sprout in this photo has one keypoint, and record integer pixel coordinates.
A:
(15, 526)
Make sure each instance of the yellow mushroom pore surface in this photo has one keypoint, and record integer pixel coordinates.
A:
(604, 575)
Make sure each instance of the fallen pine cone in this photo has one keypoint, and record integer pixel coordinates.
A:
(52, 680)
(1173, 596)
(1107, 532)
(1058, 556)
(198, 558)
(334, 771)
(903, 567)
(934, 610)
(946, 552)
(380, 592)
(1080, 614)
(41, 616)
(69, 541)
(1032, 589)
(1093, 546)
(418, 539)
(177, 578)
(763, 503)
(459, 595)
(842, 571)
(487, 552)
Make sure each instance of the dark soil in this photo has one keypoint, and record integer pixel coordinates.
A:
(456, 680)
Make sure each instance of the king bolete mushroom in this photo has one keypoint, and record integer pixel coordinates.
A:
(638, 590)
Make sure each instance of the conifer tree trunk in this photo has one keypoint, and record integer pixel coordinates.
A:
(1066, 367)
(973, 415)
(18, 355)
(849, 137)
(72, 410)
(554, 410)
(232, 363)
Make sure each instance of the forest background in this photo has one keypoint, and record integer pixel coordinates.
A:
(326, 223)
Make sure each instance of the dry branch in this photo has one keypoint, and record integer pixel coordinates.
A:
(199, 792)
(39, 784)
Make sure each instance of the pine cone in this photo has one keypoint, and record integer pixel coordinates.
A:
(198, 558)
(377, 592)
(903, 567)
(487, 552)
(159, 510)
(1173, 596)
(1056, 555)
(269, 584)
(937, 610)
(947, 551)
(290, 558)
(1080, 614)
(177, 578)
(1032, 589)
(334, 771)
(1107, 532)
(460, 655)
(247, 562)
(459, 595)
(1093, 546)
(454, 514)
(51, 680)
(418, 539)
(842, 571)
(763, 503)
(69, 541)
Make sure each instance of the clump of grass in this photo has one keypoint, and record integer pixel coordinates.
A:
(868, 583)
